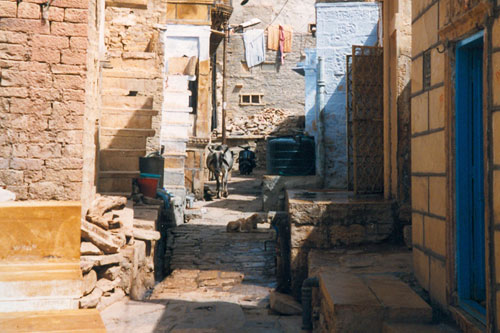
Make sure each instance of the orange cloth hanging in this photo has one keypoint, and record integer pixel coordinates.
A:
(273, 37)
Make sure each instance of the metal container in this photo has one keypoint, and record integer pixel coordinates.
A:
(153, 164)
(291, 156)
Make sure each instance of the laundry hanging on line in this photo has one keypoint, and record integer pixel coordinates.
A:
(273, 38)
(255, 47)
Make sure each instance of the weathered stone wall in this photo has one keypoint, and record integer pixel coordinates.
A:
(433, 144)
(269, 78)
(340, 25)
(132, 44)
(42, 97)
(326, 220)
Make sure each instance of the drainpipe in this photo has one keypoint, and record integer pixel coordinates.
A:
(307, 287)
(224, 85)
(320, 118)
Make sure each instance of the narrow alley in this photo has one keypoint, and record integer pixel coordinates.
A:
(220, 281)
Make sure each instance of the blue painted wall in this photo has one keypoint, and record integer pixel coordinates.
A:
(339, 26)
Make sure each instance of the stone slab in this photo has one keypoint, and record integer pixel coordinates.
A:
(417, 328)
(51, 321)
(32, 230)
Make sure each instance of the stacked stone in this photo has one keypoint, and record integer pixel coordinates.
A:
(114, 260)
(270, 121)
(42, 92)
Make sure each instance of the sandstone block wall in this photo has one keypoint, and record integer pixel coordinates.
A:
(42, 97)
(433, 145)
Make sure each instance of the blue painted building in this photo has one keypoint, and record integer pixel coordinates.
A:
(339, 26)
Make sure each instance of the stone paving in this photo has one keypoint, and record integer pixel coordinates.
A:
(220, 281)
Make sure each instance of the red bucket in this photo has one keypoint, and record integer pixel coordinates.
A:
(148, 186)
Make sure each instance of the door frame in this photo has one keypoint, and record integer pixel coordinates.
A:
(464, 279)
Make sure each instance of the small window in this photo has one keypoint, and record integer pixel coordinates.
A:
(251, 99)
(193, 99)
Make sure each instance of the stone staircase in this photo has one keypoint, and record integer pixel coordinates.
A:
(363, 291)
(176, 128)
(127, 112)
(40, 276)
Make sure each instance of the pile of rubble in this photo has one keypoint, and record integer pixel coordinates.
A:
(270, 121)
(117, 251)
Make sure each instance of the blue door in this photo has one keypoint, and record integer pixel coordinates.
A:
(471, 275)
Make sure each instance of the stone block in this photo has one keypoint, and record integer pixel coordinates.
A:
(47, 41)
(103, 260)
(127, 102)
(193, 12)
(426, 27)
(421, 267)
(401, 303)
(420, 193)
(99, 237)
(436, 108)
(437, 283)
(417, 229)
(284, 304)
(73, 58)
(25, 25)
(354, 307)
(39, 224)
(78, 43)
(68, 29)
(437, 67)
(496, 78)
(89, 282)
(69, 82)
(149, 235)
(76, 15)
(347, 235)
(496, 138)
(82, 4)
(437, 196)
(417, 73)
(91, 300)
(87, 248)
(420, 113)
(55, 14)
(428, 153)
(8, 9)
(12, 52)
(273, 189)
(28, 10)
(309, 236)
(12, 37)
(435, 235)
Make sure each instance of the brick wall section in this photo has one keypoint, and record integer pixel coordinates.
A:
(428, 191)
(42, 98)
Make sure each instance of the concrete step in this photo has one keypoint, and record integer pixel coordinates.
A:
(83, 320)
(417, 328)
(31, 286)
(129, 102)
(127, 132)
(120, 159)
(362, 303)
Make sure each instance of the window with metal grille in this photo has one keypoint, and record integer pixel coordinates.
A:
(251, 99)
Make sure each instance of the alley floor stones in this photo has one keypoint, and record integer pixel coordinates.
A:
(220, 281)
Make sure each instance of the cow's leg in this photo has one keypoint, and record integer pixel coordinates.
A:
(218, 186)
(225, 193)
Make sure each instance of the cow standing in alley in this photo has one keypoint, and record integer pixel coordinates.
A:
(220, 163)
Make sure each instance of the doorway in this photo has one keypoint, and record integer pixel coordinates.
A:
(470, 245)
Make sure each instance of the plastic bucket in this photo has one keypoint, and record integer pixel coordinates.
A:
(148, 186)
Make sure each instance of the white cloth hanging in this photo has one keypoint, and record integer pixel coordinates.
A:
(255, 47)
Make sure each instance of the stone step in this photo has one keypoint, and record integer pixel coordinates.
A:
(174, 110)
(121, 185)
(122, 73)
(417, 328)
(180, 118)
(131, 84)
(129, 111)
(122, 142)
(129, 102)
(31, 286)
(83, 320)
(127, 132)
(136, 119)
(362, 303)
(120, 159)
(177, 83)
(175, 131)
